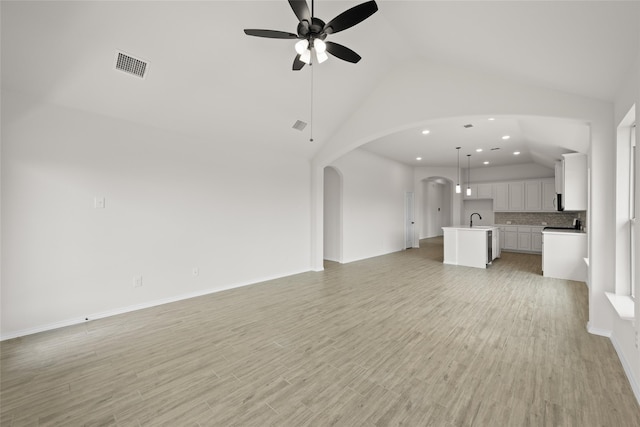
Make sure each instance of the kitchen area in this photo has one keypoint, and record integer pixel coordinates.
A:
(545, 216)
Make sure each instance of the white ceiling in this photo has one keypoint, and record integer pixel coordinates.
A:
(207, 79)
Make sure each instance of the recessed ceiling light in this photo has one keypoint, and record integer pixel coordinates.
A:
(491, 119)
(426, 132)
(478, 150)
(418, 158)
(515, 153)
(486, 163)
(506, 137)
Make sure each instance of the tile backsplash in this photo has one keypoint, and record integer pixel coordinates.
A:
(553, 219)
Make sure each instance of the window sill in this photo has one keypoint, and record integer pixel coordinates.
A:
(623, 305)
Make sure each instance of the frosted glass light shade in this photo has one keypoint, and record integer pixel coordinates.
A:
(320, 46)
(458, 189)
(305, 56)
(321, 56)
(468, 191)
(301, 46)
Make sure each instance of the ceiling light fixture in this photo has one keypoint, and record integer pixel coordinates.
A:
(458, 189)
(468, 174)
(506, 137)
(491, 119)
(418, 158)
(478, 150)
(486, 163)
(308, 49)
(515, 153)
(426, 132)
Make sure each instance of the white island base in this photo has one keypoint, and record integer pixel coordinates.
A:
(469, 246)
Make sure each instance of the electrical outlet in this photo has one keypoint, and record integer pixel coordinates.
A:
(195, 271)
(98, 202)
(508, 222)
(544, 223)
(137, 281)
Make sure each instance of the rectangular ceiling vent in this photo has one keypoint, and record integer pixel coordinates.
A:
(468, 126)
(299, 125)
(131, 65)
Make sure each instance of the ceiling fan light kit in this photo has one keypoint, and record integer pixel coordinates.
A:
(313, 31)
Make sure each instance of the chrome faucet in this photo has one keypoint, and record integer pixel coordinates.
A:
(471, 218)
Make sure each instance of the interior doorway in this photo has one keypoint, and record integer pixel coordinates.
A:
(332, 214)
(437, 206)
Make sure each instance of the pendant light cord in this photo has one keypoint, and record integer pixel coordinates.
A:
(311, 108)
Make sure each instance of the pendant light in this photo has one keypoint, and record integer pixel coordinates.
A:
(458, 189)
(468, 174)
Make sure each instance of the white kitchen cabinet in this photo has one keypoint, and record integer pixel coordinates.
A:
(549, 196)
(524, 238)
(478, 191)
(536, 239)
(532, 196)
(501, 196)
(574, 182)
(510, 238)
(485, 191)
(516, 196)
(520, 238)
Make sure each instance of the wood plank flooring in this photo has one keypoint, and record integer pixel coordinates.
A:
(395, 340)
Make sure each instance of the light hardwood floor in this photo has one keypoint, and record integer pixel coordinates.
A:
(395, 340)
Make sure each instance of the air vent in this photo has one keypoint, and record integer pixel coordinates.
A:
(131, 65)
(468, 126)
(299, 125)
(496, 148)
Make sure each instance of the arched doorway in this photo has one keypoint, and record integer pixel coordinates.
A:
(437, 206)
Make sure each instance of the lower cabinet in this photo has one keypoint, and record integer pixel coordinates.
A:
(521, 238)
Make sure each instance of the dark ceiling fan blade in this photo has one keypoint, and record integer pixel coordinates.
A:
(342, 52)
(271, 34)
(297, 64)
(351, 17)
(301, 9)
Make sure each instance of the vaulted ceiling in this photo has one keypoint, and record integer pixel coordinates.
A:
(206, 78)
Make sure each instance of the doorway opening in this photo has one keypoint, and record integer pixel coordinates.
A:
(437, 206)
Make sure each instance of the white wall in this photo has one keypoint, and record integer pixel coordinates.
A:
(483, 207)
(332, 214)
(373, 197)
(172, 203)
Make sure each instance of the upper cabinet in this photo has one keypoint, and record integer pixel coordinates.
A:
(533, 196)
(501, 196)
(478, 191)
(549, 197)
(517, 196)
(574, 182)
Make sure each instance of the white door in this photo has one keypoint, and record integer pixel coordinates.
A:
(409, 220)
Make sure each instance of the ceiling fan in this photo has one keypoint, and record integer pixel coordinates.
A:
(312, 32)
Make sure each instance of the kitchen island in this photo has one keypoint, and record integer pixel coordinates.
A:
(471, 246)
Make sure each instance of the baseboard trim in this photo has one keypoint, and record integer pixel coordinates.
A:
(135, 307)
(627, 369)
(598, 331)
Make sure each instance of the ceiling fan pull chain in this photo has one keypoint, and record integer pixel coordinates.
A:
(311, 108)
